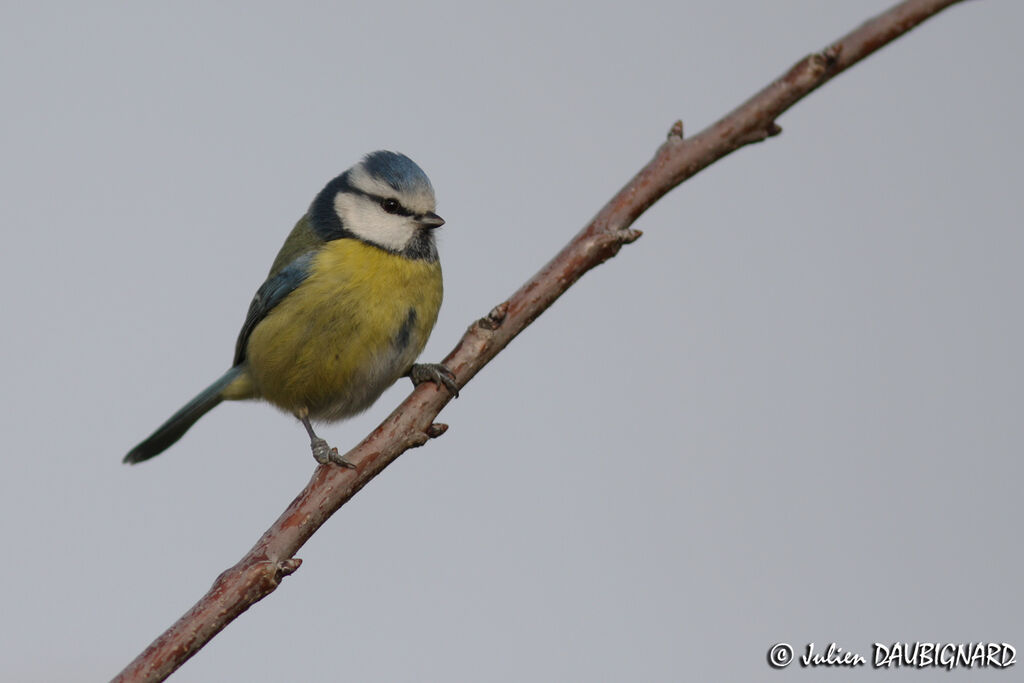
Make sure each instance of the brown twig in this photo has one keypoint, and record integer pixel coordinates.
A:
(411, 424)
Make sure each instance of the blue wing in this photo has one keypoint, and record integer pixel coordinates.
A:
(270, 294)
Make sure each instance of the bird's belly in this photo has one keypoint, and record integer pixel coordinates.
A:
(337, 342)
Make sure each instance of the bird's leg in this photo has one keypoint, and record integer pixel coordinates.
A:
(322, 451)
(433, 372)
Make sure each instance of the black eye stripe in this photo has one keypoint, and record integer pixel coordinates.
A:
(396, 208)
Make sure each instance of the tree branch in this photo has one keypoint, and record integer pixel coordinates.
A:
(411, 424)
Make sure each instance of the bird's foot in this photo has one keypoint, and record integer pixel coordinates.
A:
(325, 455)
(322, 451)
(436, 373)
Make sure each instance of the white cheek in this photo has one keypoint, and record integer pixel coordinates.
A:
(365, 219)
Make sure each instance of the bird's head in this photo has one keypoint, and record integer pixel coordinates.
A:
(385, 200)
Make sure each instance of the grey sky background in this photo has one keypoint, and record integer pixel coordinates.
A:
(790, 412)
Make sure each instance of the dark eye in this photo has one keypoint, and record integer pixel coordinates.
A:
(390, 205)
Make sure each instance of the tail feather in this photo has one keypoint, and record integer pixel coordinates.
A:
(179, 423)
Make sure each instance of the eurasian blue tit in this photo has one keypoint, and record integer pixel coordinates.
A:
(346, 308)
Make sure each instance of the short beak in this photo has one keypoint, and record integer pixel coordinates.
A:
(431, 220)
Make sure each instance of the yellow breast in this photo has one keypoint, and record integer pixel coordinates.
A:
(353, 327)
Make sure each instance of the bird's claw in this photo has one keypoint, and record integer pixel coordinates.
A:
(325, 455)
(436, 373)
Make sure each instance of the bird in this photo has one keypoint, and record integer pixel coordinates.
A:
(345, 311)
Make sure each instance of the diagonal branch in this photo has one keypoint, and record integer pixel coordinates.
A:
(411, 424)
